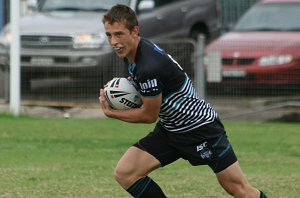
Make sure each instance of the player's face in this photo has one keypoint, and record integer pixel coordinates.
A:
(122, 40)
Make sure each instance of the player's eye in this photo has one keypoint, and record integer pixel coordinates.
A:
(108, 35)
(119, 34)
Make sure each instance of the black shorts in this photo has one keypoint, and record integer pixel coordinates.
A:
(206, 145)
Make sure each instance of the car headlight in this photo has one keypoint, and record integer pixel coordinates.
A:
(88, 40)
(5, 38)
(275, 60)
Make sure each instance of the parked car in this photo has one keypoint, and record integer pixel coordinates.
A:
(66, 37)
(263, 49)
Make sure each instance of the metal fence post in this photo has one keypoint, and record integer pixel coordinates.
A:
(200, 70)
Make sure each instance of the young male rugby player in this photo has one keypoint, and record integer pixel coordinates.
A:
(188, 127)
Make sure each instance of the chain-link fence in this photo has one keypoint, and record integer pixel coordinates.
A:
(60, 81)
(232, 10)
(232, 97)
(235, 91)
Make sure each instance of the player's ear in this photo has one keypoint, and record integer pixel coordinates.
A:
(136, 31)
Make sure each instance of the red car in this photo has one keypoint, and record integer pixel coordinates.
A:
(263, 48)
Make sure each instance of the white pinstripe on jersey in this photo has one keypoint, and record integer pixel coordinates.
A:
(184, 110)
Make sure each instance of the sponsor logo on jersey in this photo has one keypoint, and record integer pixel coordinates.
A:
(150, 84)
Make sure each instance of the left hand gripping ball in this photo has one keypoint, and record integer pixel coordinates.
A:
(121, 93)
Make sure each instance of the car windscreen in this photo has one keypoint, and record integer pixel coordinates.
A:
(80, 5)
(270, 17)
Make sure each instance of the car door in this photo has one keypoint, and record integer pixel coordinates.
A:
(163, 20)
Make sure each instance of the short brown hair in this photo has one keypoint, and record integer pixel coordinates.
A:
(121, 14)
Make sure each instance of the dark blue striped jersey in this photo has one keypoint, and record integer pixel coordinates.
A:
(156, 72)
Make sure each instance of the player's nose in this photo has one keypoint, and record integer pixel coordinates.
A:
(114, 41)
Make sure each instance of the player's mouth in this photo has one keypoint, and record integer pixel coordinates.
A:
(118, 49)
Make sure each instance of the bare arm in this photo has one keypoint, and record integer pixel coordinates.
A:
(148, 113)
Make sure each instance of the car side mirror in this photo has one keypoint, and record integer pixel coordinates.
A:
(146, 6)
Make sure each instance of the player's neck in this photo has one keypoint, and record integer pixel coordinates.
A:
(132, 56)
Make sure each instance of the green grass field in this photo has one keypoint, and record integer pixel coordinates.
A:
(42, 157)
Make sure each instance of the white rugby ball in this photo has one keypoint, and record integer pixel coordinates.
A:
(121, 93)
